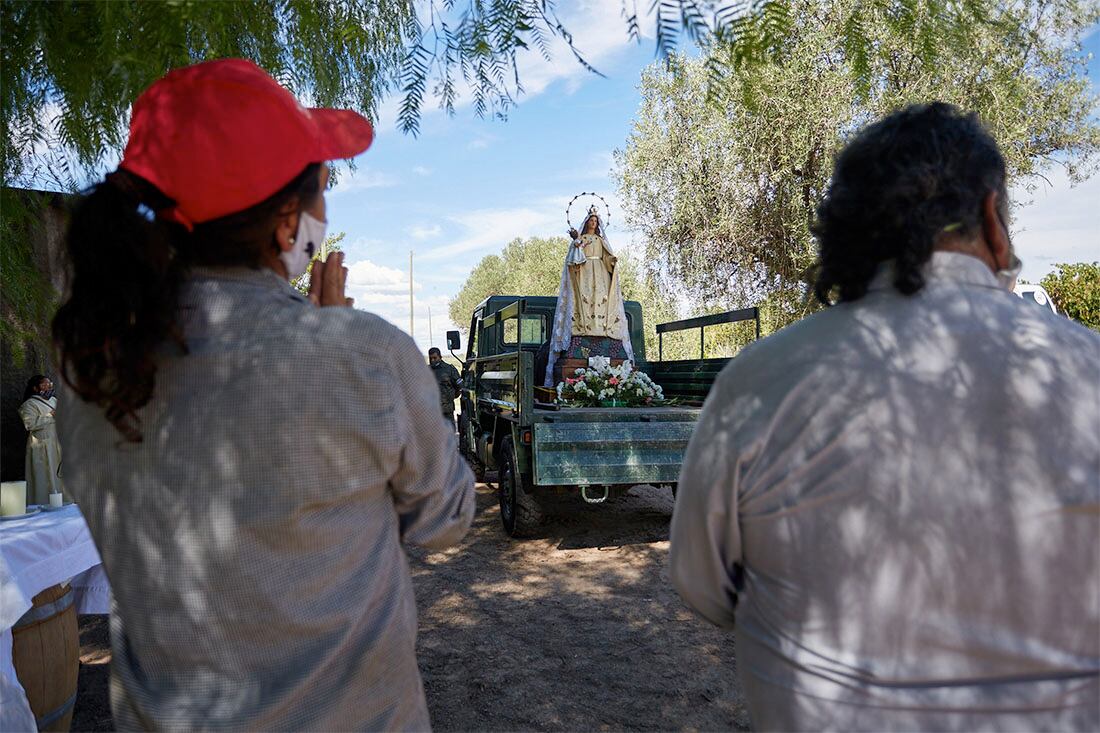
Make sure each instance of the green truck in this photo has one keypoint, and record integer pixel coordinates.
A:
(542, 453)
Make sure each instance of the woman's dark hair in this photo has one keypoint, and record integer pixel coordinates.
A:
(127, 268)
(895, 188)
(32, 386)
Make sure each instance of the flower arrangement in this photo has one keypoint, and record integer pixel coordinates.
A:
(609, 386)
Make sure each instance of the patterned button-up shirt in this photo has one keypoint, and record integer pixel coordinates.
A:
(253, 539)
(895, 503)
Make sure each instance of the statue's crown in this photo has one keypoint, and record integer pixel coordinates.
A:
(593, 211)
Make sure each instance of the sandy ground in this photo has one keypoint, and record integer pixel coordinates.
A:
(578, 629)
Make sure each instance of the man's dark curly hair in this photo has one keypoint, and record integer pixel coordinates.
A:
(895, 188)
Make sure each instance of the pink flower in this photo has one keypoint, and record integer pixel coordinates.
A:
(570, 380)
(613, 381)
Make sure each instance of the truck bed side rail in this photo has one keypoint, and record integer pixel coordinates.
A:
(690, 379)
(701, 322)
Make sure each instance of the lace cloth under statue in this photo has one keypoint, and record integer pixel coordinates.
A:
(590, 302)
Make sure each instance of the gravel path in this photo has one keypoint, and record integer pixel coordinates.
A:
(578, 629)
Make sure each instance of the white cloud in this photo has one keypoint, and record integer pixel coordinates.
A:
(367, 279)
(1059, 225)
(384, 291)
(421, 170)
(599, 32)
(422, 232)
(361, 179)
(491, 229)
(478, 144)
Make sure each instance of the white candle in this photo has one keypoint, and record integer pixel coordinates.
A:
(56, 499)
(13, 498)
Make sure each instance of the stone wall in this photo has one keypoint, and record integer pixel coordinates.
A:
(46, 238)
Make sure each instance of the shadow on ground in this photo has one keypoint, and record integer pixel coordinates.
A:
(578, 629)
(92, 711)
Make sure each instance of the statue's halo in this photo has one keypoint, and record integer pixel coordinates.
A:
(606, 222)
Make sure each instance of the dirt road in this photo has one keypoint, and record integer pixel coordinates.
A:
(576, 630)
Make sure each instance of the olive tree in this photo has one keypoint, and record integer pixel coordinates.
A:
(725, 193)
(1075, 290)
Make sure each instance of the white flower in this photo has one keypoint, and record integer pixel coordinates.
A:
(599, 363)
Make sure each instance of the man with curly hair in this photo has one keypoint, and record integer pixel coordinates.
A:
(895, 501)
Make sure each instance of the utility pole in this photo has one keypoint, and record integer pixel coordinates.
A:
(411, 294)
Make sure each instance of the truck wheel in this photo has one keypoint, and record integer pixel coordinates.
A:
(520, 513)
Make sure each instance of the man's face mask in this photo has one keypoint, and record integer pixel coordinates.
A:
(1006, 277)
(308, 240)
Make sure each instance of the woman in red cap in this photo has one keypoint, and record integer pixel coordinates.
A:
(249, 463)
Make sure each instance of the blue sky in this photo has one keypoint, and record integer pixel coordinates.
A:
(466, 187)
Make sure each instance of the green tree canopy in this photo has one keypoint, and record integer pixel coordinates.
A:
(1075, 290)
(724, 194)
(71, 68)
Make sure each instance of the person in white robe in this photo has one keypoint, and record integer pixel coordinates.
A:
(43, 450)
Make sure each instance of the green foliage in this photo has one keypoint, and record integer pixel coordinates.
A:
(533, 267)
(332, 244)
(725, 194)
(71, 69)
(29, 298)
(1075, 290)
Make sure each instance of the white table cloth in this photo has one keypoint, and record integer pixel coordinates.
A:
(35, 553)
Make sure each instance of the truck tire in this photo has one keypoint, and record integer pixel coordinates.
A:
(520, 512)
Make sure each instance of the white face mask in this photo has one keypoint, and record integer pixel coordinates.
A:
(308, 240)
(1007, 278)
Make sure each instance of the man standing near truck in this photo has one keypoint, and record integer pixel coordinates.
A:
(449, 383)
(894, 502)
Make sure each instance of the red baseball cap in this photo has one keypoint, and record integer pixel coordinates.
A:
(221, 136)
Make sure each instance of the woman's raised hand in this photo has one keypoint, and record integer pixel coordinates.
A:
(327, 280)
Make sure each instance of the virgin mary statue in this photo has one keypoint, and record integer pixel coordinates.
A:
(590, 303)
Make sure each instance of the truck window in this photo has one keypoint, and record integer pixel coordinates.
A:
(531, 330)
(471, 348)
